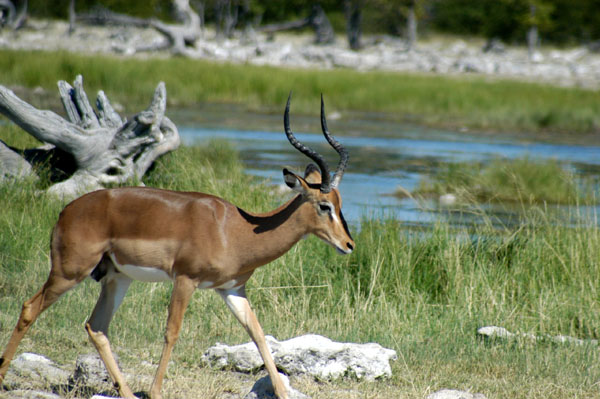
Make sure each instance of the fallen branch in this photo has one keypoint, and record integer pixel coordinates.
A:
(178, 37)
(90, 149)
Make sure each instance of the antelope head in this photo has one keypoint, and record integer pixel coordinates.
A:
(319, 189)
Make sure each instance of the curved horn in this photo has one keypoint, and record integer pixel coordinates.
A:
(337, 177)
(309, 152)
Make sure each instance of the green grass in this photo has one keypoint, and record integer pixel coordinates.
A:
(421, 292)
(522, 180)
(474, 102)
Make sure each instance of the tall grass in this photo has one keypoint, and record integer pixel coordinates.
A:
(421, 292)
(437, 100)
(522, 180)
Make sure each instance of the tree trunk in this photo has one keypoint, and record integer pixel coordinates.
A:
(178, 36)
(21, 15)
(324, 33)
(411, 25)
(317, 19)
(353, 13)
(532, 35)
(92, 148)
(72, 16)
(7, 13)
(226, 18)
(13, 16)
(185, 34)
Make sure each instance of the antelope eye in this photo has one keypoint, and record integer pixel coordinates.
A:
(325, 207)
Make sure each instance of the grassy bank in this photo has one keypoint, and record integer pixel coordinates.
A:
(522, 180)
(473, 102)
(422, 293)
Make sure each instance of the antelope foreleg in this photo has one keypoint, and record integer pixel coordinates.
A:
(238, 303)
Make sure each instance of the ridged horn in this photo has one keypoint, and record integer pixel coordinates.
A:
(337, 177)
(309, 152)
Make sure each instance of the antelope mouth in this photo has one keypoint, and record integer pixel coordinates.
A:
(346, 251)
(342, 252)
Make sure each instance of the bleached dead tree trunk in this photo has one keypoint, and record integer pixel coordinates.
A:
(13, 16)
(180, 36)
(177, 37)
(98, 147)
(411, 25)
(353, 11)
(317, 19)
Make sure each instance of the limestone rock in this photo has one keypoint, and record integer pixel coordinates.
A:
(314, 355)
(455, 394)
(495, 332)
(90, 371)
(263, 389)
(39, 369)
(27, 394)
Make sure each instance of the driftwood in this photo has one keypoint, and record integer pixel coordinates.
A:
(182, 35)
(13, 16)
(317, 19)
(91, 149)
(178, 37)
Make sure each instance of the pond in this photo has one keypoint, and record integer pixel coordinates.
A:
(389, 156)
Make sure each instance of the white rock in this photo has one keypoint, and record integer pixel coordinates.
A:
(90, 371)
(314, 355)
(455, 394)
(447, 199)
(38, 368)
(503, 333)
(28, 394)
(263, 389)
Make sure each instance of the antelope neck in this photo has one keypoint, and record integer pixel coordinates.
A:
(277, 231)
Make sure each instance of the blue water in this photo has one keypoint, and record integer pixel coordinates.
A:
(379, 165)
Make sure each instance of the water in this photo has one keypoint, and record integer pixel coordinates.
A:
(380, 164)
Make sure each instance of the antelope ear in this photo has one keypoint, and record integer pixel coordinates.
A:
(312, 174)
(294, 181)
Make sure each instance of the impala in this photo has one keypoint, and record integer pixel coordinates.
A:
(195, 240)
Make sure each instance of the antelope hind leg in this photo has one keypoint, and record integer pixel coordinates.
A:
(46, 296)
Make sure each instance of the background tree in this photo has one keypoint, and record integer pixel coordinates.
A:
(13, 14)
(411, 23)
(556, 21)
(537, 18)
(352, 9)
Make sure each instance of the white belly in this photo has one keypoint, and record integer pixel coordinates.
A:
(141, 273)
(225, 286)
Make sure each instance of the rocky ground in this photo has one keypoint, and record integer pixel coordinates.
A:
(576, 66)
(33, 376)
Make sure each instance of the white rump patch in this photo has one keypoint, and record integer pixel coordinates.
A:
(141, 273)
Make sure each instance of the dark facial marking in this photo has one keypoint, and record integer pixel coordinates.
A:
(345, 225)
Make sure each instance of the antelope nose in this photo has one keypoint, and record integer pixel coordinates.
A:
(350, 246)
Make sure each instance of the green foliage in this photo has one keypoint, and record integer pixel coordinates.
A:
(558, 20)
(421, 292)
(521, 180)
(434, 100)
(142, 9)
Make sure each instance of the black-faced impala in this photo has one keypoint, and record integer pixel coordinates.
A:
(195, 240)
